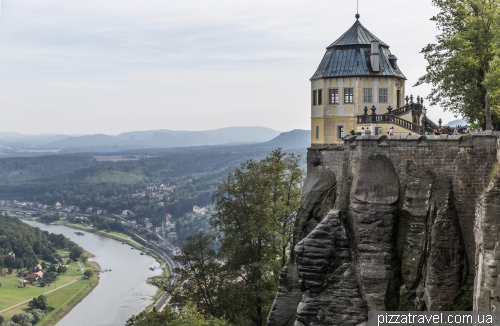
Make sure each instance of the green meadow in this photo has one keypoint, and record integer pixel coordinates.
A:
(65, 292)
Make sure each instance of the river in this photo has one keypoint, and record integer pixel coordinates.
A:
(121, 293)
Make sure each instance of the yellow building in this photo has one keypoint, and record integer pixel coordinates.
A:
(359, 86)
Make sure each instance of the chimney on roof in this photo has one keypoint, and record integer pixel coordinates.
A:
(392, 61)
(374, 57)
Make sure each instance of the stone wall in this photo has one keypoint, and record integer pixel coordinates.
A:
(402, 211)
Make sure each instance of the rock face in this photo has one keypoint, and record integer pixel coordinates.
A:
(487, 232)
(327, 277)
(389, 227)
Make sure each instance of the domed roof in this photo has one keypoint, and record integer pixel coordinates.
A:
(356, 35)
(349, 56)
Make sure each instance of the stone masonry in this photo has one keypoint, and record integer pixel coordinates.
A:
(392, 219)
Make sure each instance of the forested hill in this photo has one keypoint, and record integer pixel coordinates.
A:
(95, 182)
(19, 169)
(26, 243)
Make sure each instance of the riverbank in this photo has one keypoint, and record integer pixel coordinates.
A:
(125, 238)
(118, 236)
(64, 294)
(68, 303)
(123, 290)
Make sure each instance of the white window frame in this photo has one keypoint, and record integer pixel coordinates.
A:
(367, 95)
(335, 99)
(348, 98)
(383, 98)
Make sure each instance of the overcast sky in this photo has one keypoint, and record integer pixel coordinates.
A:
(108, 66)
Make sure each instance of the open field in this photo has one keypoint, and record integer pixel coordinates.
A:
(10, 294)
(64, 294)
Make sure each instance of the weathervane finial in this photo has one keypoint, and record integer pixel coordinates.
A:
(357, 9)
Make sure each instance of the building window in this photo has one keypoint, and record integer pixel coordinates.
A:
(340, 132)
(382, 95)
(378, 130)
(317, 132)
(348, 95)
(367, 95)
(334, 96)
(315, 97)
(320, 97)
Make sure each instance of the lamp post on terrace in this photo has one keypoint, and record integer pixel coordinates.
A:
(424, 111)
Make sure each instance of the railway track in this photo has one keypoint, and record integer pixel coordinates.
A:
(172, 265)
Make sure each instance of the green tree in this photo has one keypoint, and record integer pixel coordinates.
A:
(202, 276)
(24, 318)
(76, 252)
(189, 316)
(152, 318)
(37, 315)
(460, 60)
(62, 269)
(256, 207)
(88, 273)
(39, 302)
(492, 79)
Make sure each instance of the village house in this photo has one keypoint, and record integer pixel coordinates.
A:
(172, 236)
(132, 224)
(34, 276)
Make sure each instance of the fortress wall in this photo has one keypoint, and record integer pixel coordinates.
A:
(384, 223)
(467, 161)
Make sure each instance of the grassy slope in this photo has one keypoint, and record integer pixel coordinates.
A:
(63, 300)
(67, 299)
(10, 294)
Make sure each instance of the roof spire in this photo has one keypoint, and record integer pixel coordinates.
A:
(357, 10)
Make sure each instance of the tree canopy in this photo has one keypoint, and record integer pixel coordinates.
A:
(188, 316)
(233, 273)
(462, 58)
(256, 209)
(22, 245)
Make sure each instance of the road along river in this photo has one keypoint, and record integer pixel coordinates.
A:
(121, 293)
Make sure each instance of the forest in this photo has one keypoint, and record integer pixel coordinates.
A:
(22, 246)
(114, 186)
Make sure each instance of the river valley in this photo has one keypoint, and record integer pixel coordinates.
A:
(121, 293)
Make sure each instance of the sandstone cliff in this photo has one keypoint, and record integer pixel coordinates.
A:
(389, 224)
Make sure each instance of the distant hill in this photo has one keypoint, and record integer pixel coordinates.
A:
(84, 141)
(168, 138)
(22, 140)
(287, 140)
(458, 122)
(160, 142)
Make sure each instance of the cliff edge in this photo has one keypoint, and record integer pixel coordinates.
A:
(394, 223)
